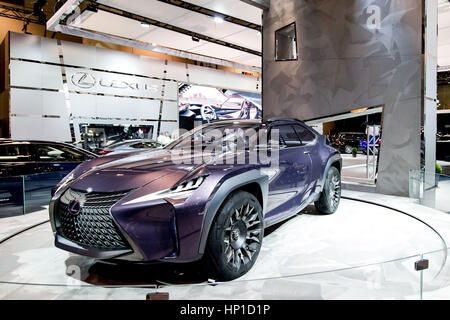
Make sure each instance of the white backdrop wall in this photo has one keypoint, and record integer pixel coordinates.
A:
(54, 83)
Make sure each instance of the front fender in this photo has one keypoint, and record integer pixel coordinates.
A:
(223, 191)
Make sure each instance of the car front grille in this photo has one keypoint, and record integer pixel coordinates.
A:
(93, 226)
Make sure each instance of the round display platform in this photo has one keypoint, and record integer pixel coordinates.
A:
(310, 256)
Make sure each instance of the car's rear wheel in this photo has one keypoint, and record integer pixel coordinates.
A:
(235, 237)
(330, 198)
(348, 149)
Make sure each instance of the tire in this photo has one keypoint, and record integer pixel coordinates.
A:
(235, 237)
(348, 149)
(330, 198)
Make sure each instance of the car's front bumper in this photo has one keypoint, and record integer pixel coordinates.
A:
(148, 230)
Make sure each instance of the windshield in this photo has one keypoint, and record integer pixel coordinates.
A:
(231, 136)
(116, 144)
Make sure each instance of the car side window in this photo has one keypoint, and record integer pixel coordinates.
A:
(48, 153)
(14, 153)
(305, 135)
(288, 136)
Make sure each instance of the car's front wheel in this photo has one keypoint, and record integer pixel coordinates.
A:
(330, 198)
(235, 237)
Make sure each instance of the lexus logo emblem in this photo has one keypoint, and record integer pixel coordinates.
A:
(84, 80)
(74, 207)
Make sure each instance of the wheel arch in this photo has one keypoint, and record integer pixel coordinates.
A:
(338, 165)
(252, 181)
(253, 188)
(334, 161)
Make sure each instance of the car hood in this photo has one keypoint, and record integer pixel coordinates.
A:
(113, 174)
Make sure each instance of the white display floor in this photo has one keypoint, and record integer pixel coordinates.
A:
(364, 251)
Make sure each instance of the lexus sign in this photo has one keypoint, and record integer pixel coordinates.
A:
(87, 80)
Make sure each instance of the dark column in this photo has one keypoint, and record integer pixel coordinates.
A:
(359, 54)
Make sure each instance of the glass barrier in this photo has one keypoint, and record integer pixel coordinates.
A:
(26, 194)
(391, 280)
(430, 190)
(436, 279)
(69, 276)
(38, 189)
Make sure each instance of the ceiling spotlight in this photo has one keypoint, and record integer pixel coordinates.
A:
(218, 19)
(145, 25)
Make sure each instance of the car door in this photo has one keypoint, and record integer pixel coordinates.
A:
(288, 186)
(309, 141)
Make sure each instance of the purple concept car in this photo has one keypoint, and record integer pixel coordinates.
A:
(203, 197)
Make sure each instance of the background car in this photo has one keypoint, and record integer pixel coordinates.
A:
(128, 146)
(158, 206)
(363, 145)
(344, 142)
(30, 169)
(18, 158)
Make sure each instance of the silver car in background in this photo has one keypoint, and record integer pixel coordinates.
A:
(129, 146)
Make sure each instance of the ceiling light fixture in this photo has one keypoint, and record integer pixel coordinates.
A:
(218, 19)
(145, 25)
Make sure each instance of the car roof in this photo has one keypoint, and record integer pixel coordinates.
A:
(125, 142)
(256, 122)
(11, 141)
(5, 141)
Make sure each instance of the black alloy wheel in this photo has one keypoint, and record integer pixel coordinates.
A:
(235, 238)
(330, 198)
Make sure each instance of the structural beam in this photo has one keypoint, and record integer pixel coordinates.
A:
(87, 34)
(212, 13)
(262, 4)
(18, 14)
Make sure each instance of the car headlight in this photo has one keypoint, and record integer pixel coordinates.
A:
(182, 191)
(64, 182)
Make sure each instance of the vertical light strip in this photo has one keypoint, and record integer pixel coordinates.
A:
(161, 105)
(187, 73)
(66, 91)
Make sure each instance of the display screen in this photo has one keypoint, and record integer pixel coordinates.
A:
(199, 105)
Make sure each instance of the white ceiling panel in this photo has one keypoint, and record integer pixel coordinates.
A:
(210, 49)
(148, 8)
(247, 38)
(113, 24)
(205, 25)
(116, 25)
(235, 8)
(189, 20)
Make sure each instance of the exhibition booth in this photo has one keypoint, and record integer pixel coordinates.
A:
(99, 198)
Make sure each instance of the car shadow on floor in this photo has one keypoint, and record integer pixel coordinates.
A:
(113, 273)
